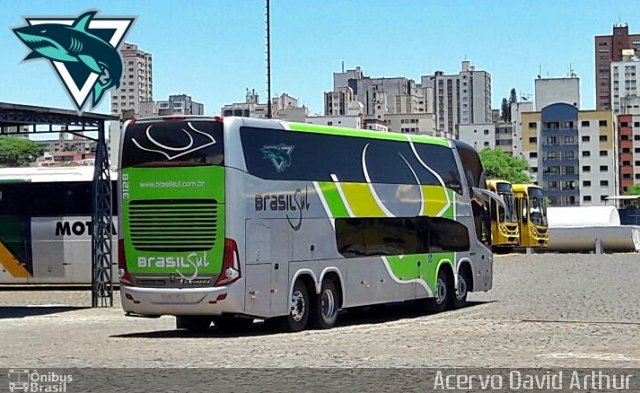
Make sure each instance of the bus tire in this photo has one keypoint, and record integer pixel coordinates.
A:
(193, 323)
(324, 312)
(465, 284)
(299, 304)
(444, 289)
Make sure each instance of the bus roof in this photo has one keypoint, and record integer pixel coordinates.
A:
(524, 187)
(393, 136)
(496, 181)
(314, 128)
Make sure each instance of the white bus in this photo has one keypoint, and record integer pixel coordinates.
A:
(45, 225)
(227, 220)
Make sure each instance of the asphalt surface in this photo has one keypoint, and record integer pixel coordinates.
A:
(553, 310)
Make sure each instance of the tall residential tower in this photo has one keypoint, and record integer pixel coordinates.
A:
(608, 48)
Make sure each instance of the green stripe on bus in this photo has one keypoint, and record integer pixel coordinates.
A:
(391, 136)
(334, 201)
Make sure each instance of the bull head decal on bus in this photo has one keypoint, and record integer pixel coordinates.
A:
(201, 141)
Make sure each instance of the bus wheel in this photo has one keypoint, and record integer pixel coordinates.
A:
(324, 314)
(298, 309)
(444, 289)
(459, 300)
(193, 324)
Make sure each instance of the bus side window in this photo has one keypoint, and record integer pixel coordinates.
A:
(525, 209)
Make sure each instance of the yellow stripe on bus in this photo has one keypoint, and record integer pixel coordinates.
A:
(13, 266)
(434, 200)
(361, 200)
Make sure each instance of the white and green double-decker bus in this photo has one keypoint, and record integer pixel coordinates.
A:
(227, 220)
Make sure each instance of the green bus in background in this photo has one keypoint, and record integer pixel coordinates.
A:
(227, 220)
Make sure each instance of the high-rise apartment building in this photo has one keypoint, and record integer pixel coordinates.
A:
(629, 150)
(463, 98)
(572, 154)
(136, 85)
(608, 48)
(625, 83)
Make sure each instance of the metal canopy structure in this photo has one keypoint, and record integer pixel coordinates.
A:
(16, 119)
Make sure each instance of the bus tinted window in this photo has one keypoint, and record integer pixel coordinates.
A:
(472, 166)
(358, 237)
(394, 162)
(441, 160)
(286, 155)
(49, 199)
(171, 142)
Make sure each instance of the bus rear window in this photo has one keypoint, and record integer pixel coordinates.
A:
(173, 143)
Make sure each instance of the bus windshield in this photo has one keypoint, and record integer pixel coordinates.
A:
(508, 215)
(537, 208)
(506, 193)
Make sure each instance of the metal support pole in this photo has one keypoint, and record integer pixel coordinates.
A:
(269, 114)
(102, 224)
(598, 246)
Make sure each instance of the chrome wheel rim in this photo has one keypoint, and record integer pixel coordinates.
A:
(328, 304)
(441, 294)
(462, 288)
(298, 305)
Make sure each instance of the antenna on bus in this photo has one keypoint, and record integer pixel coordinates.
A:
(268, 53)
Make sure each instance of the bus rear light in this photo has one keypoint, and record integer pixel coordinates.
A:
(230, 271)
(125, 277)
(219, 119)
(129, 297)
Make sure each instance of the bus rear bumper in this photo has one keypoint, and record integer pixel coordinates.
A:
(180, 301)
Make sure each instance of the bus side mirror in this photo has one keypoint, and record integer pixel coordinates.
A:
(525, 209)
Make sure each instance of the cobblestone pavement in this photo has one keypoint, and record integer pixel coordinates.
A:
(544, 311)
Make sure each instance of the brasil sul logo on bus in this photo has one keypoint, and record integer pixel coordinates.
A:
(83, 52)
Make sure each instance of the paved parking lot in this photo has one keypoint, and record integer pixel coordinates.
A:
(544, 311)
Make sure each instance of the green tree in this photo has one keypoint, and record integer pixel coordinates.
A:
(505, 115)
(500, 165)
(633, 190)
(513, 97)
(18, 152)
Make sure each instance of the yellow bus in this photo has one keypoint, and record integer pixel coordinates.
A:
(504, 221)
(531, 211)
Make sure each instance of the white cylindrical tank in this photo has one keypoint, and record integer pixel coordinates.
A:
(621, 238)
(582, 216)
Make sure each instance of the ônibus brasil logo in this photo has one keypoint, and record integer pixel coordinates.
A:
(83, 51)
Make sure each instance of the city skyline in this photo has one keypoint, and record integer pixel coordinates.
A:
(223, 42)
